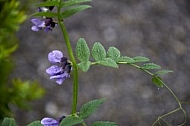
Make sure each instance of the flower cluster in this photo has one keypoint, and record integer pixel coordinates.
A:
(46, 23)
(51, 122)
(61, 68)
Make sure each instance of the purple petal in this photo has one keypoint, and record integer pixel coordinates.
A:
(48, 28)
(49, 122)
(36, 21)
(63, 75)
(42, 25)
(60, 78)
(55, 56)
(53, 70)
(34, 28)
(60, 81)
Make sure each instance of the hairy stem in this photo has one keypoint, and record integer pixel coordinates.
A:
(72, 58)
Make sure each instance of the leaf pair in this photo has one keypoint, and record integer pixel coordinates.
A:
(101, 57)
(98, 53)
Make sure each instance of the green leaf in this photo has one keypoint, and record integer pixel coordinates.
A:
(84, 66)
(104, 123)
(98, 52)
(113, 53)
(125, 59)
(7, 52)
(73, 10)
(82, 50)
(138, 59)
(108, 62)
(73, 2)
(35, 123)
(90, 107)
(47, 14)
(149, 66)
(162, 72)
(48, 3)
(157, 81)
(8, 122)
(71, 120)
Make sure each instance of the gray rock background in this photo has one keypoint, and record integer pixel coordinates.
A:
(158, 29)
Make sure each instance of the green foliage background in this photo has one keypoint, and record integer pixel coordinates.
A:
(14, 91)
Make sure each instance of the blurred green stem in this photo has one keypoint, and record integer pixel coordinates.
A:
(72, 58)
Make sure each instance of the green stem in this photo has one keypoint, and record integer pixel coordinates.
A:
(72, 58)
(168, 88)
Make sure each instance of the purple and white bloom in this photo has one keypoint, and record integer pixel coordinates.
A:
(60, 70)
(51, 122)
(38, 24)
(47, 24)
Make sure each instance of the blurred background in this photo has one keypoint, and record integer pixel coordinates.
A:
(157, 29)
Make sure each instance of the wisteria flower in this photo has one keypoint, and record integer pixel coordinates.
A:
(51, 122)
(60, 70)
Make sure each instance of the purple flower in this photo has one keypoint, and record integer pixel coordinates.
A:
(51, 122)
(38, 24)
(46, 24)
(55, 56)
(61, 70)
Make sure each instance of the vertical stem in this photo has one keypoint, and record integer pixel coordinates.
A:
(72, 58)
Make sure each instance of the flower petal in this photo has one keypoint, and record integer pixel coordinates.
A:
(49, 122)
(36, 21)
(63, 75)
(60, 81)
(34, 28)
(55, 56)
(60, 78)
(53, 70)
